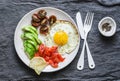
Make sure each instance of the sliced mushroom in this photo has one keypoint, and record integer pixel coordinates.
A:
(44, 21)
(35, 24)
(44, 29)
(42, 14)
(52, 19)
(35, 18)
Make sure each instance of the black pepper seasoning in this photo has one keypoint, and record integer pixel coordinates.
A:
(106, 27)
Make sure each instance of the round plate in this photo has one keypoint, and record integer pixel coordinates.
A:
(26, 20)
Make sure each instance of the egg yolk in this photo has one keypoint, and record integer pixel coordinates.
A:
(60, 38)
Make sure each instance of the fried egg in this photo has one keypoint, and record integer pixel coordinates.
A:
(63, 34)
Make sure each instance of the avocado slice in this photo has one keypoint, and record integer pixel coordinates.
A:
(26, 44)
(30, 52)
(22, 36)
(31, 37)
(28, 36)
(33, 43)
(33, 28)
(37, 40)
(28, 29)
(30, 46)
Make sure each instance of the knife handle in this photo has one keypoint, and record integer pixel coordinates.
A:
(90, 59)
(80, 64)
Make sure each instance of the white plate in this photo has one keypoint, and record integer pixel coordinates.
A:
(26, 20)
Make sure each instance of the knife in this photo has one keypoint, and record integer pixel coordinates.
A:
(80, 25)
(80, 64)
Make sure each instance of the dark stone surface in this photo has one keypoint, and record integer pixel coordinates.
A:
(105, 51)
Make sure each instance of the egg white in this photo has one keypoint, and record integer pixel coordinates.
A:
(70, 30)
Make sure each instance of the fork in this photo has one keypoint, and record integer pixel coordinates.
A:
(87, 27)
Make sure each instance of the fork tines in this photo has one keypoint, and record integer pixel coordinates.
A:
(89, 18)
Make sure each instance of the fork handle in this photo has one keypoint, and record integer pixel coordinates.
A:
(80, 64)
(90, 59)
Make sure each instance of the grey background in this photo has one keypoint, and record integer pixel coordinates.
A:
(105, 51)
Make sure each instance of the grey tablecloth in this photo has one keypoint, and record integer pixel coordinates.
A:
(105, 51)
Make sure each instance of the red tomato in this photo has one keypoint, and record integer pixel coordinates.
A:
(37, 54)
(53, 56)
(60, 57)
(51, 62)
(50, 54)
(53, 49)
(47, 52)
(41, 49)
(47, 58)
(55, 65)
(56, 60)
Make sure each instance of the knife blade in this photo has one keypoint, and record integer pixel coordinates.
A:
(80, 25)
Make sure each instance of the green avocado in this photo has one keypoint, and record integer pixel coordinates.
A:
(33, 43)
(33, 28)
(29, 29)
(37, 40)
(28, 36)
(22, 36)
(25, 43)
(30, 52)
(30, 40)
(31, 37)
(28, 45)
